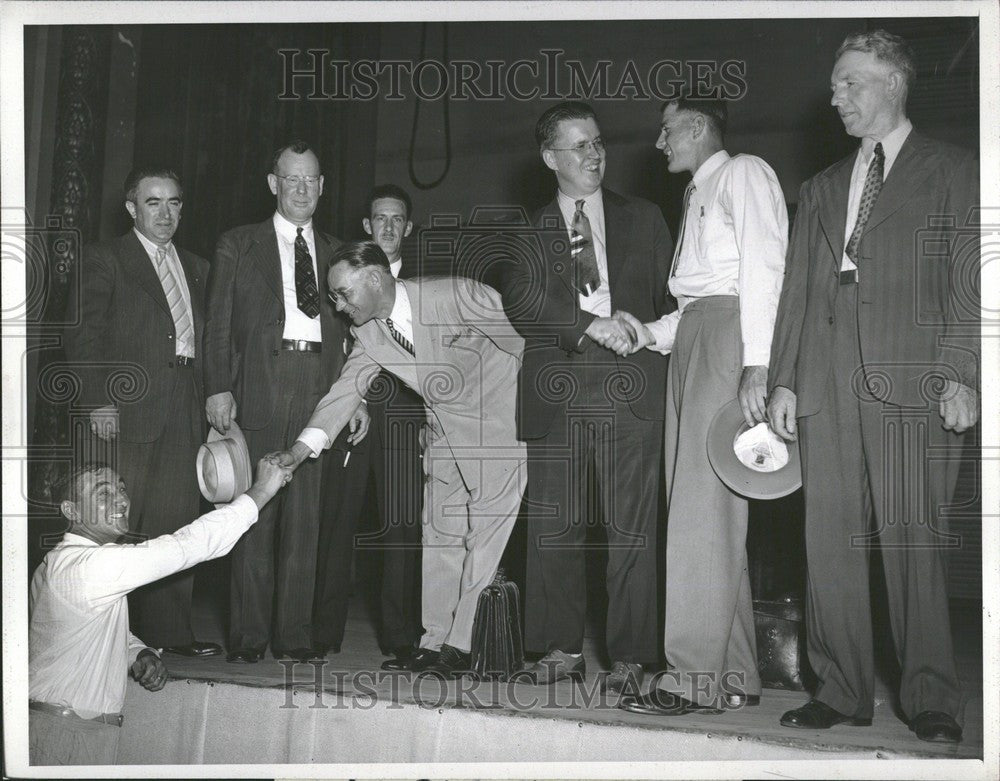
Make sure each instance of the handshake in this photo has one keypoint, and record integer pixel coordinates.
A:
(621, 333)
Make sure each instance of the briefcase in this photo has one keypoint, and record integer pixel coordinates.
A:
(781, 644)
(497, 646)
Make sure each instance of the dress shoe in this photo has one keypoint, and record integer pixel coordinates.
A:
(298, 654)
(657, 702)
(195, 649)
(327, 648)
(417, 662)
(624, 678)
(244, 656)
(817, 715)
(937, 727)
(554, 666)
(451, 662)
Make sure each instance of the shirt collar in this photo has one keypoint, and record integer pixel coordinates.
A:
(78, 539)
(709, 167)
(289, 230)
(593, 204)
(395, 267)
(401, 306)
(152, 247)
(892, 142)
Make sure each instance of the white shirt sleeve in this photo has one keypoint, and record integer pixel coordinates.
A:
(315, 439)
(664, 332)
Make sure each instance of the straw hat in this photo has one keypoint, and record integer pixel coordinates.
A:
(223, 466)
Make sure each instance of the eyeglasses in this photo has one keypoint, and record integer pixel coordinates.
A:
(583, 147)
(295, 181)
(337, 297)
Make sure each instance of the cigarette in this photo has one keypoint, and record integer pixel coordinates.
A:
(347, 457)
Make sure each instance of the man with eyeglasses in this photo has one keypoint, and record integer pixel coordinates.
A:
(273, 346)
(582, 403)
(390, 458)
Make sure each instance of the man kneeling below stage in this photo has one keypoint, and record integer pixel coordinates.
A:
(80, 648)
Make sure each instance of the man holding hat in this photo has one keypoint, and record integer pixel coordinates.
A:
(726, 275)
(138, 311)
(80, 649)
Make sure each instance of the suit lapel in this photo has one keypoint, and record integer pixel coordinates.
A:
(617, 232)
(324, 253)
(834, 193)
(267, 258)
(141, 267)
(911, 167)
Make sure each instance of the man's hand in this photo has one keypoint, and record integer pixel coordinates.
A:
(753, 394)
(959, 407)
(781, 413)
(220, 409)
(104, 422)
(643, 336)
(614, 334)
(148, 669)
(271, 477)
(358, 424)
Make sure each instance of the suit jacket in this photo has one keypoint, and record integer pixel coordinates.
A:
(246, 319)
(122, 335)
(543, 306)
(467, 358)
(919, 261)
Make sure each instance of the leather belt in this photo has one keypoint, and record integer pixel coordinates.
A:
(849, 277)
(183, 360)
(113, 719)
(301, 345)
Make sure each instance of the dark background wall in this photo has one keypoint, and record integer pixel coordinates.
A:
(208, 101)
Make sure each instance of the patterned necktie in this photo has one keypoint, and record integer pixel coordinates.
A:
(688, 192)
(869, 195)
(306, 292)
(402, 340)
(178, 310)
(582, 249)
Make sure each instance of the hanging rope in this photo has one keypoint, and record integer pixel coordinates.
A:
(416, 116)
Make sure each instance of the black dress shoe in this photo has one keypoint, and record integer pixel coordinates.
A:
(451, 662)
(195, 649)
(298, 654)
(817, 715)
(657, 702)
(418, 661)
(244, 656)
(936, 727)
(327, 648)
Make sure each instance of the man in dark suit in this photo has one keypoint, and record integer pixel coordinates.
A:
(138, 313)
(390, 456)
(868, 353)
(580, 402)
(273, 346)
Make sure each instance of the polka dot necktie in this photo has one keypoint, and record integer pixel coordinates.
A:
(869, 195)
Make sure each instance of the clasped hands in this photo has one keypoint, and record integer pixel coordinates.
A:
(621, 333)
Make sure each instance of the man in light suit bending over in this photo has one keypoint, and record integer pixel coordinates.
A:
(450, 341)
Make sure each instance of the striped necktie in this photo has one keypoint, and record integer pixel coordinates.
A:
(400, 339)
(306, 292)
(869, 195)
(581, 243)
(178, 310)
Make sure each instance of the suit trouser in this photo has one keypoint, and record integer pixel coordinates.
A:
(464, 535)
(162, 485)
(391, 453)
(863, 460)
(709, 631)
(625, 450)
(274, 563)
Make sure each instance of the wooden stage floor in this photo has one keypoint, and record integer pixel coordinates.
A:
(355, 672)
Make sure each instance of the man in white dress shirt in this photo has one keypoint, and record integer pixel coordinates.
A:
(80, 648)
(726, 275)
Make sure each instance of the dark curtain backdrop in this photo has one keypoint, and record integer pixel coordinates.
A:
(208, 104)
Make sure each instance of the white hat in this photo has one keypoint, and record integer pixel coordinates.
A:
(228, 457)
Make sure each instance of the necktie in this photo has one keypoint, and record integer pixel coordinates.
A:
(402, 340)
(178, 310)
(688, 192)
(306, 292)
(869, 195)
(582, 249)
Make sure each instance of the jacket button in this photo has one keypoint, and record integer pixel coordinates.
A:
(170, 364)
(274, 352)
(170, 336)
(830, 321)
(279, 321)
